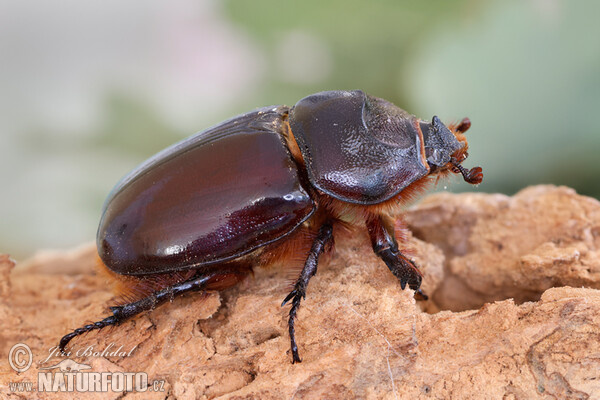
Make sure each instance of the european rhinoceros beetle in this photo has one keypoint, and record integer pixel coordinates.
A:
(201, 214)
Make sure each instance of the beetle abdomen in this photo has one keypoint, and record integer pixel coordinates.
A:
(226, 192)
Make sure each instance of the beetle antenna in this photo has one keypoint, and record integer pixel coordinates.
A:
(464, 172)
(473, 176)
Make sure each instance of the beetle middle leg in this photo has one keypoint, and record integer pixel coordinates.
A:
(319, 245)
(219, 279)
(385, 246)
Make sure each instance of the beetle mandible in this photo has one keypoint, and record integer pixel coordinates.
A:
(202, 213)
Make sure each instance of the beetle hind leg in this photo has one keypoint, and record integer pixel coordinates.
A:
(216, 280)
(319, 245)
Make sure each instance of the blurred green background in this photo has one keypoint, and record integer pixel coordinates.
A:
(90, 89)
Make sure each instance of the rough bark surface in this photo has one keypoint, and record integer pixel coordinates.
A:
(514, 314)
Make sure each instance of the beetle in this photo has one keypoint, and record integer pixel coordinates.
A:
(253, 190)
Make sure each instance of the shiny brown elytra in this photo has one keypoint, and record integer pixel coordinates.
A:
(202, 213)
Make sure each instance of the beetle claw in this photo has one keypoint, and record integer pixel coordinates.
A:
(295, 356)
(403, 283)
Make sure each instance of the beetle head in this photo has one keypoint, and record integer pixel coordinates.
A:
(446, 148)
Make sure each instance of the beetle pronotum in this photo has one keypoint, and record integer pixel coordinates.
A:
(202, 213)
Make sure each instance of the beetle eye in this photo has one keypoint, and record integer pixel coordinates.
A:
(432, 167)
(435, 156)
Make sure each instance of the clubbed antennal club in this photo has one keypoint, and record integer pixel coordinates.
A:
(473, 176)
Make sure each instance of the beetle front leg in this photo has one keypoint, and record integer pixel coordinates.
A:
(385, 246)
(319, 245)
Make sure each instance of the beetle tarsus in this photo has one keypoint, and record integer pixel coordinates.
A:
(112, 320)
(294, 346)
(319, 245)
(403, 268)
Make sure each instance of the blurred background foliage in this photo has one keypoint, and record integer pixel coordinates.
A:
(88, 90)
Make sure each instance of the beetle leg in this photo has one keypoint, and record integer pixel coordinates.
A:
(319, 245)
(126, 311)
(385, 246)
